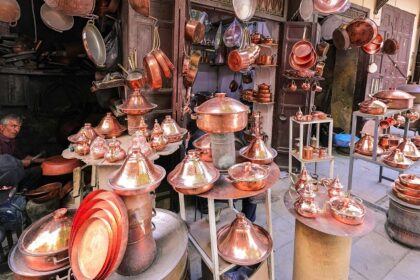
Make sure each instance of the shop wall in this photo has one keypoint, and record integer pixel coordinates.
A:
(411, 6)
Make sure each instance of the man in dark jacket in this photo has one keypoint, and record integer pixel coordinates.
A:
(10, 126)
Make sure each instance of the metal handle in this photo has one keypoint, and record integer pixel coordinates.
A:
(57, 261)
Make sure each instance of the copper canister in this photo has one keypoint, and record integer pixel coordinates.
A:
(322, 152)
(308, 153)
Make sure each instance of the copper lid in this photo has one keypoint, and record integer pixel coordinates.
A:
(137, 104)
(171, 128)
(393, 94)
(257, 150)
(157, 129)
(409, 149)
(49, 235)
(221, 105)
(137, 174)
(203, 143)
(86, 130)
(243, 243)
(365, 146)
(373, 103)
(109, 126)
(192, 172)
(397, 159)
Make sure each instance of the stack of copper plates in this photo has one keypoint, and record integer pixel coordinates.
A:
(303, 55)
(407, 188)
(98, 237)
(263, 95)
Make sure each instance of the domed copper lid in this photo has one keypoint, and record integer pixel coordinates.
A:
(87, 131)
(157, 129)
(397, 159)
(137, 175)
(192, 172)
(49, 235)
(172, 130)
(365, 146)
(137, 104)
(258, 152)
(243, 243)
(110, 127)
(409, 149)
(221, 105)
(203, 143)
(393, 94)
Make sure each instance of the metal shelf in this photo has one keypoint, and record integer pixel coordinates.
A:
(314, 160)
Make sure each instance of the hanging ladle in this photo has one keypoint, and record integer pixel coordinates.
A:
(233, 86)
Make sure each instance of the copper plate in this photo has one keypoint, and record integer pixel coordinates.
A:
(93, 241)
(264, 235)
(406, 198)
(406, 191)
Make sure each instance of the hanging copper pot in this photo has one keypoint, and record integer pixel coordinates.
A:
(362, 31)
(171, 130)
(153, 71)
(239, 59)
(141, 6)
(194, 31)
(80, 8)
(164, 62)
(341, 38)
(109, 127)
(243, 243)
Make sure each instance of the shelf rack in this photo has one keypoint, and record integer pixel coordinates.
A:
(203, 234)
(298, 154)
(374, 158)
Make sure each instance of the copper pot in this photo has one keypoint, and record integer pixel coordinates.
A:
(308, 153)
(135, 79)
(362, 31)
(221, 114)
(82, 148)
(347, 210)
(239, 59)
(395, 99)
(153, 71)
(42, 253)
(194, 31)
(341, 38)
(248, 176)
(256, 37)
(384, 142)
(9, 11)
(373, 107)
(141, 6)
(162, 59)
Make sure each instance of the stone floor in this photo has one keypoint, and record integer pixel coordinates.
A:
(374, 256)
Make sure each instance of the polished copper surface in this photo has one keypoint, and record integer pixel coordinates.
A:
(137, 104)
(135, 79)
(305, 205)
(258, 152)
(365, 146)
(410, 180)
(193, 173)
(158, 141)
(82, 149)
(44, 244)
(9, 11)
(397, 159)
(203, 144)
(243, 243)
(409, 149)
(347, 210)
(98, 148)
(222, 114)
(194, 31)
(87, 131)
(334, 187)
(406, 190)
(329, 6)
(301, 179)
(239, 59)
(143, 127)
(137, 175)
(373, 107)
(407, 198)
(79, 8)
(159, 55)
(362, 31)
(171, 130)
(248, 176)
(115, 152)
(109, 127)
(57, 165)
(395, 99)
(139, 141)
(153, 71)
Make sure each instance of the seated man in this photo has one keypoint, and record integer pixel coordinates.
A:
(9, 128)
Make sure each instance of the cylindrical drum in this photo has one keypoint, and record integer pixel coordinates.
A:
(223, 150)
(401, 224)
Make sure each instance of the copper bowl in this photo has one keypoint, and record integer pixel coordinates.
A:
(9, 11)
(411, 181)
(248, 176)
(57, 165)
(350, 211)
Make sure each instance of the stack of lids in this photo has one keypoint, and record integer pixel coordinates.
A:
(99, 235)
(303, 55)
(407, 188)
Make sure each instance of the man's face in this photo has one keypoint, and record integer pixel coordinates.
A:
(10, 129)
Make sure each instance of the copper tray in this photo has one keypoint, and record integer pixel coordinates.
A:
(397, 165)
(404, 179)
(263, 235)
(57, 165)
(407, 191)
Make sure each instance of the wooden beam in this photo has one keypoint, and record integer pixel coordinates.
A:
(379, 4)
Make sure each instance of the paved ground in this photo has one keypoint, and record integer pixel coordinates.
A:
(374, 256)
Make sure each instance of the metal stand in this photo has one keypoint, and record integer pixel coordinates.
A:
(374, 159)
(298, 154)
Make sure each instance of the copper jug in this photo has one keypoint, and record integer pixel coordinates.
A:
(157, 140)
(305, 205)
(115, 152)
(98, 148)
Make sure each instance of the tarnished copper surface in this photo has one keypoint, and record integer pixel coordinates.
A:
(347, 210)
(397, 159)
(171, 130)
(115, 152)
(137, 175)
(410, 180)
(258, 152)
(137, 104)
(305, 205)
(362, 31)
(193, 173)
(248, 176)
(222, 114)
(409, 149)
(87, 130)
(109, 127)
(365, 146)
(243, 243)
(223, 189)
(203, 144)
(325, 222)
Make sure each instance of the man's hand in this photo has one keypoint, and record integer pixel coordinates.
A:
(26, 162)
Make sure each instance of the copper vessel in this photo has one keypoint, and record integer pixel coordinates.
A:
(157, 140)
(384, 142)
(308, 153)
(405, 190)
(362, 31)
(87, 131)
(152, 71)
(135, 79)
(79, 8)
(397, 159)
(221, 114)
(137, 175)
(334, 187)
(348, 210)
(109, 127)
(328, 6)
(410, 181)
(194, 31)
(44, 244)
(115, 152)
(407, 198)
(171, 130)
(203, 145)
(139, 141)
(409, 149)
(301, 179)
(258, 152)
(82, 148)
(373, 107)
(395, 99)
(365, 146)
(239, 59)
(394, 141)
(9, 11)
(98, 148)
(243, 243)
(305, 205)
(57, 165)
(137, 104)
(248, 176)
(193, 173)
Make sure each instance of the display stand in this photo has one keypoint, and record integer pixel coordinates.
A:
(203, 234)
(374, 158)
(298, 154)
(323, 245)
